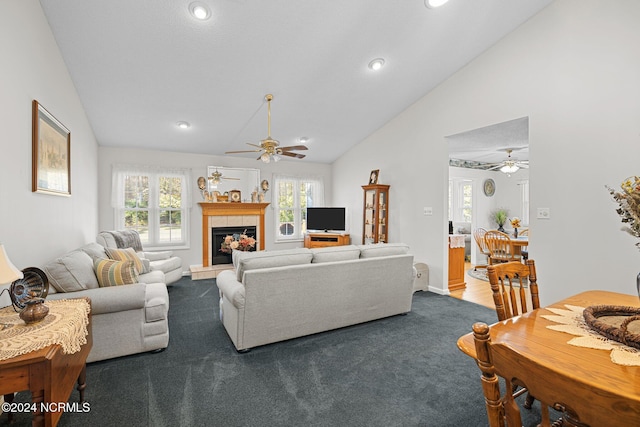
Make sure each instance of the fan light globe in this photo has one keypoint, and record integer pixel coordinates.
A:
(265, 158)
(509, 169)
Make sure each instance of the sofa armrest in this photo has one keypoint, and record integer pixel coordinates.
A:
(111, 299)
(231, 288)
(157, 256)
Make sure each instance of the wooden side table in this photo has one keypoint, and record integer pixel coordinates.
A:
(456, 263)
(49, 375)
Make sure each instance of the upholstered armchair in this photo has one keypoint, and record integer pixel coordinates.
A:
(163, 261)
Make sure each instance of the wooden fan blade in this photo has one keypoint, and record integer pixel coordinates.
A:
(254, 145)
(290, 154)
(237, 179)
(245, 151)
(294, 147)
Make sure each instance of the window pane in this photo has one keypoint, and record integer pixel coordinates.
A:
(139, 221)
(170, 192)
(170, 226)
(136, 191)
(285, 194)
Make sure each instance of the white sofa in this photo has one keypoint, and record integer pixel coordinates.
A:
(163, 261)
(273, 296)
(126, 319)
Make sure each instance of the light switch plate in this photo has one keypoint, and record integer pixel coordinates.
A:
(543, 213)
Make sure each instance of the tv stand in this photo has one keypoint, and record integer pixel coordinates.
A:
(322, 240)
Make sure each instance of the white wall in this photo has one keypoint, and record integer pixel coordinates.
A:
(36, 227)
(572, 69)
(198, 164)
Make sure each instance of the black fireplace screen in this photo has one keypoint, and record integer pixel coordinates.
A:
(218, 234)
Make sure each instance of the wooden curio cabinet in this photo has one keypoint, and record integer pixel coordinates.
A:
(376, 214)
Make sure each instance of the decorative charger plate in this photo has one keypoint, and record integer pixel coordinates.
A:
(33, 285)
(489, 187)
(619, 323)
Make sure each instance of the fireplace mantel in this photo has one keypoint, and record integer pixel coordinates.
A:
(229, 209)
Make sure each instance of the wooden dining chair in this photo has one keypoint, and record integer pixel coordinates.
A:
(500, 247)
(563, 392)
(478, 235)
(515, 288)
(515, 291)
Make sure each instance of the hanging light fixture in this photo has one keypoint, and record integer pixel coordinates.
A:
(509, 167)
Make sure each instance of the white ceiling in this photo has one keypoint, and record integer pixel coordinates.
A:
(490, 144)
(141, 66)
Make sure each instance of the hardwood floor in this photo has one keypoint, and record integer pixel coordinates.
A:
(477, 291)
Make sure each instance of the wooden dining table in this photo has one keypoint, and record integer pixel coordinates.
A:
(518, 243)
(593, 369)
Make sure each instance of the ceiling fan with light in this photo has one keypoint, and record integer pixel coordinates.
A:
(269, 147)
(510, 165)
(216, 177)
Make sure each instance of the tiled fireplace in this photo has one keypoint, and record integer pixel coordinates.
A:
(229, 214)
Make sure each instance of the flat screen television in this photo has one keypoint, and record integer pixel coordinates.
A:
(327, 219)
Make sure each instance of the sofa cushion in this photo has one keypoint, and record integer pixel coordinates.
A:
(115, 273)
(94, 250)
(127, 254)
(155, 276)
(266, 259)
(335, 253)
(158, 256)
(71, 272)
(166, 265)
(383, 249)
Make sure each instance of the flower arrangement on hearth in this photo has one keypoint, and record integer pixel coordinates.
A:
(629, 205)
(238, 242)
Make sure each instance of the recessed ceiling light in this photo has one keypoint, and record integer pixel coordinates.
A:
(183, 125)
(432, 4)
(303, 139)
(200, 11)
(376, 64)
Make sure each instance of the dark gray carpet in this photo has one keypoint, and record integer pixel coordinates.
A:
(399, 371)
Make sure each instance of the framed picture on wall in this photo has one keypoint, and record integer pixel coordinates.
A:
(51, 154)
(373, 177)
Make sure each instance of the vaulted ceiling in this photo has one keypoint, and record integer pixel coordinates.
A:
(142, 66)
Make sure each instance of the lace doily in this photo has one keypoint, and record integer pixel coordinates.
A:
(456, 240)
(66, 325)
(572, 322)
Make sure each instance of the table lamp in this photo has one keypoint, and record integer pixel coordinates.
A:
(8, 272)
(26, 293)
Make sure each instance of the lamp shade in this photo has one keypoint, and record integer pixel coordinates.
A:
(8, 272)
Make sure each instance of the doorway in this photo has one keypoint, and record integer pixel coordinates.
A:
(477, 158)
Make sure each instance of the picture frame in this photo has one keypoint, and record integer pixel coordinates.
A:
(373, 176)
(51, 154)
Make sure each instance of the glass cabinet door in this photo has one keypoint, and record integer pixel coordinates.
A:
(375, 218)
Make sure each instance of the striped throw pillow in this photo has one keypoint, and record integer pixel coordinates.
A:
(127, 254)
(115, 273)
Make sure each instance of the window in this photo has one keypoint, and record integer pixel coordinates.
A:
(524, 201)
(460, 200)
(154, 202)
(292, 196)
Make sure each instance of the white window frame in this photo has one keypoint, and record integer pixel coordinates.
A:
(524, 201)
(299, 228)
(456, 199)
(120, 172)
